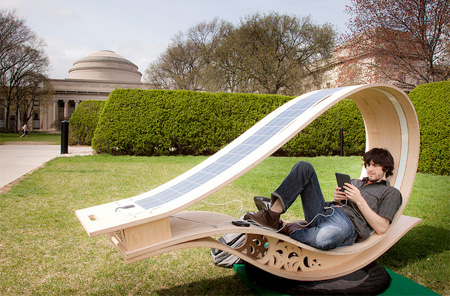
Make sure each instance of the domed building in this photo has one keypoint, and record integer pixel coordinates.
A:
(105, 65)
(93, 77)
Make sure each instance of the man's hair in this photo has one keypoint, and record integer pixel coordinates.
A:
(381, 157)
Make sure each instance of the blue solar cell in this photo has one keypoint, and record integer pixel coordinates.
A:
(243, 149)
(230, 158)
(201, 177)
(216, 168)
(151, 202)
(268, 131)
(256, 140)
(185, 186)
(277, 122)
(288, 115)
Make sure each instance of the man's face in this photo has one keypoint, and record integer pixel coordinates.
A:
(375, 172)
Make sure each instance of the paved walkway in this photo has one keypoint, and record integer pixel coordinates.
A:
(18, 160)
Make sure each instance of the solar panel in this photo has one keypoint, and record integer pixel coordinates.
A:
(236, 154)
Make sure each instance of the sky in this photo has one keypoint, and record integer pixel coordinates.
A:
(140, 30)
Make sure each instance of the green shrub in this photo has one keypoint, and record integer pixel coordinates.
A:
(202, 123)
(157, 122)
(432, 104)
(160, 122)
(83, 122)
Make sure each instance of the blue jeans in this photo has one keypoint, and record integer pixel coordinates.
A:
(329, 226)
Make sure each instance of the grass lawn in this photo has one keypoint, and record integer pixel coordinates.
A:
(44, 249)
(49, 139)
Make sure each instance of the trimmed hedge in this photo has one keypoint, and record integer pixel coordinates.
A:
(83, 122)
(159, 122)
(432, 104)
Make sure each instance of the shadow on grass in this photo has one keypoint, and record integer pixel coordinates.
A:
(420, 243)
(230, 285)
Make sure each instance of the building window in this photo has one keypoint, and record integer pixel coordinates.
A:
(2, 113)
(71, 108)
(36, 121)
(60, 110)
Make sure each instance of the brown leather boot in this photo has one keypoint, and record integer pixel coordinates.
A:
(265, 218)
(290, 227)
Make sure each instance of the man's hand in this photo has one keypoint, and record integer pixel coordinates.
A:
(352, 192)
(339, 196)
(378, 223)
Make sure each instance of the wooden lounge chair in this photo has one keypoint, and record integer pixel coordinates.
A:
(155, 223)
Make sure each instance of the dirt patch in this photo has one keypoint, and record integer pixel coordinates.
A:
(8, 186)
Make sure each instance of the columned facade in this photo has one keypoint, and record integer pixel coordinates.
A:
(91, 78)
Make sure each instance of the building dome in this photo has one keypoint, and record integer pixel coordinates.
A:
(105, 65)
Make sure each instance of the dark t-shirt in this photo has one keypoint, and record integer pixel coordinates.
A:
(382, 198)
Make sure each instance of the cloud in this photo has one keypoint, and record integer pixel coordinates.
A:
(63, 54)
(42, 9)
(140, 53)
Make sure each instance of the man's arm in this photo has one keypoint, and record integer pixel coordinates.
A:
(378, 223)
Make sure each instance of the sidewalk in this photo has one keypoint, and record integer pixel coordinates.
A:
(18, 160)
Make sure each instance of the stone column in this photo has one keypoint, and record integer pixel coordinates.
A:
(66, 108)
(55, 111)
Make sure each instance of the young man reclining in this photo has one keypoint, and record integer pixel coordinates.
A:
(364, 205)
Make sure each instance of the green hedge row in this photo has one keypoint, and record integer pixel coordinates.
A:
(157, 122)
(83, 122)
(432, 104)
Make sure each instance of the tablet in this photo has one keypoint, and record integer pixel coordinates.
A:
(341, 179)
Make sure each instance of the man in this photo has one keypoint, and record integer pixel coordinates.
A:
(24, 131)
(366, 205)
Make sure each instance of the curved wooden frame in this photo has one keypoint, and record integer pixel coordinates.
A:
(390, 122)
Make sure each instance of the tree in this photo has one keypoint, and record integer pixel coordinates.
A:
(178, 68)
(266, 53)
(33, 92)
(23, 65)
(278, 51)
(208, 38)
(403, 41)
(188, 62)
